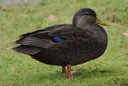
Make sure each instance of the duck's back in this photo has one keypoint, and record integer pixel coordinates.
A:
(65, 44)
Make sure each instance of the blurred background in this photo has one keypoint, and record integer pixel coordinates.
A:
(12, 2)
(21, 16)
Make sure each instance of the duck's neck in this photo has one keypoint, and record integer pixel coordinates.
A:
(83, 22)
(83, 25)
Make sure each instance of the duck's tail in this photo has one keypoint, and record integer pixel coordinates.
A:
(30, 50)
(32, 45)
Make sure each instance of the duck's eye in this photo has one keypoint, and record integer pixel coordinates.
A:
(86, 13)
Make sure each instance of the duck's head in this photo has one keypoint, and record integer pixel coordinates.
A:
(86, 16)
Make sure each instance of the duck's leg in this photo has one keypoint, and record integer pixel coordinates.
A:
(63, 69)
(69, 71)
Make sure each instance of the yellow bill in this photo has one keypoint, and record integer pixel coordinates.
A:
(98, 21)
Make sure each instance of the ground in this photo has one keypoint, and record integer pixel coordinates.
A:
(20, 70)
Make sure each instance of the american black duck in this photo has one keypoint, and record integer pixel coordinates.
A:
(66, 44)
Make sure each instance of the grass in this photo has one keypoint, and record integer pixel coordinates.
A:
(20, 70)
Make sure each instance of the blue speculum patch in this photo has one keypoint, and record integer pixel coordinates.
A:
(57, 39)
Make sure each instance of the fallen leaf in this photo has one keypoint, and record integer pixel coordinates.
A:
(52, 18)
(125, 34)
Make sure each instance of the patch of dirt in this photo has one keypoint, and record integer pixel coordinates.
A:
(52, 18)
(125, 33)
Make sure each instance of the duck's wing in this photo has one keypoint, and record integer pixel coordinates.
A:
(34, 42)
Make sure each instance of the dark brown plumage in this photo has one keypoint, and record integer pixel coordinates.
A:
(81, 41)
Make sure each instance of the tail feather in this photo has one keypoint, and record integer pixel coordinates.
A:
(27, 49)
(36, 42)
(32, 45)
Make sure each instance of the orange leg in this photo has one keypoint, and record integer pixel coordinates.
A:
(69, 71)
(63, 69)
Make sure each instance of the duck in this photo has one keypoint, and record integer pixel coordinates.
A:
(66, 45)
